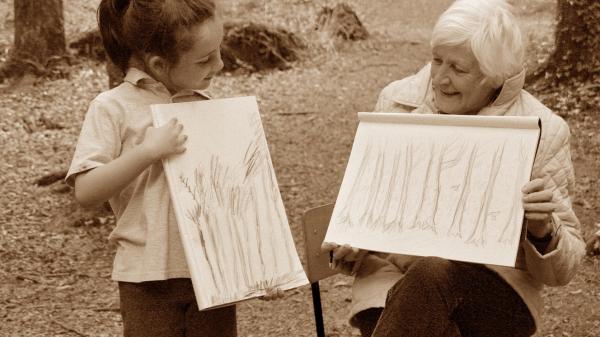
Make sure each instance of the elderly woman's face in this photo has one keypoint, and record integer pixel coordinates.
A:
(458, 83)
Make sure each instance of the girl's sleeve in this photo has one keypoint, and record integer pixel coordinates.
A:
(565, 251)
(99, 140)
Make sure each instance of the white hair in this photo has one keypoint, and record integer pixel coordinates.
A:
(490, 30)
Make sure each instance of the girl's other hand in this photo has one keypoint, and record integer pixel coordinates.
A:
(538, 206)
(272, 294)
(164, 141)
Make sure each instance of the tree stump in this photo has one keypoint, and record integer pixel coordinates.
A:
(257, 47)
(341, 22)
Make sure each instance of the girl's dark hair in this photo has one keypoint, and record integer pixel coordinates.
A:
(129, 27)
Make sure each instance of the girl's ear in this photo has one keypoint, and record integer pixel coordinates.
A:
(157, 66)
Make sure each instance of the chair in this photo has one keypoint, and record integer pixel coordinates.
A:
(315, 222)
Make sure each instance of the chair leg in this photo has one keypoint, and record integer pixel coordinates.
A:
(316, 295)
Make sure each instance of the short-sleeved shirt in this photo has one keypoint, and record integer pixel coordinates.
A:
(146, 234)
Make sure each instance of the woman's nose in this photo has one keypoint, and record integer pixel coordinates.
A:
(441, 76)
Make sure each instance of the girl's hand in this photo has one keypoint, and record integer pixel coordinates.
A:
(272, 294)
(164, 141)
(538, 205)
(345, 259)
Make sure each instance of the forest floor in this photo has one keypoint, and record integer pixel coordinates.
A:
(55, 260)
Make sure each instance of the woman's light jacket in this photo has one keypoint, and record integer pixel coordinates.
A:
(379, 272)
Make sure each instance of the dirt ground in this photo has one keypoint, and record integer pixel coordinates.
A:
(55, 260)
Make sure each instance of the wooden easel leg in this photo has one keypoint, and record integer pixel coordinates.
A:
(316, 295)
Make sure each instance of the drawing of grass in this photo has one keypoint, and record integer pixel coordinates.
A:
(240, 202)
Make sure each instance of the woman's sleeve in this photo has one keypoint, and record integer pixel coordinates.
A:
(563, 255)
(384, 101)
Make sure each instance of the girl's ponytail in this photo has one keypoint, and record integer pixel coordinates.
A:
(136, 27)
(111, 16)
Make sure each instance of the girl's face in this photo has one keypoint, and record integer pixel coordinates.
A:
(458, 83)
(196, 67)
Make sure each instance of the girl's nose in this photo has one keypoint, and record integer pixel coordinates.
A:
(219, 64)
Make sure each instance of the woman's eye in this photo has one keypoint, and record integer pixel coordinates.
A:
(459, 70)
(437, 60)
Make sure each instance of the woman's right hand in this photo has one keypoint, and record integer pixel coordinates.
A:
(164, 141)
(345, 259)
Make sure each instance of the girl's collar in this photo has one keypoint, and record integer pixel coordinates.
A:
(140, 78)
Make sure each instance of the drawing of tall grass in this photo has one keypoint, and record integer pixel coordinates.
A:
(236, 209)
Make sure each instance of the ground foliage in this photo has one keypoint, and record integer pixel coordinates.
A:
(341, 22)
(255, 47)
(246, 46)
(55, 259)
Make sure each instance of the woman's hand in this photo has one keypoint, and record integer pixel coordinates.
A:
(166, 140)
(272, 294)
(538, 206)
(345, 259)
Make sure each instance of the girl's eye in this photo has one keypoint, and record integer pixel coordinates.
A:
(437, 60)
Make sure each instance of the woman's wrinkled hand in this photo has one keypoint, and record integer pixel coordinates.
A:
(538, 206)
(344, 259)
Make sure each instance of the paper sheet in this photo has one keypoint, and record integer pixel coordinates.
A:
(436, 185)
(229, 210)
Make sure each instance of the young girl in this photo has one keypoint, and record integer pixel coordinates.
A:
(169, 50)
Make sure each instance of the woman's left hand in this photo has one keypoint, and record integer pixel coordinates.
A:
(538, 205)
(272, 294)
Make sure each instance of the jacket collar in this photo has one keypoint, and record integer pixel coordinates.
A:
(141, 79)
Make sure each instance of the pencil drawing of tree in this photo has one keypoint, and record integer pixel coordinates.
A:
(393, 185)
(425, 191)
(455, 229)
(477, 236)
(375, 186)
(513, 220)
(354, 193)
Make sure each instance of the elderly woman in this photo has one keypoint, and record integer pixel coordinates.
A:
(476, 69)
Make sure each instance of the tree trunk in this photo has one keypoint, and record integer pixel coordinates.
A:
(39, 34)
(577, 42)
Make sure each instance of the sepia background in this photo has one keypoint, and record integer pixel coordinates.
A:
(55, 260)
